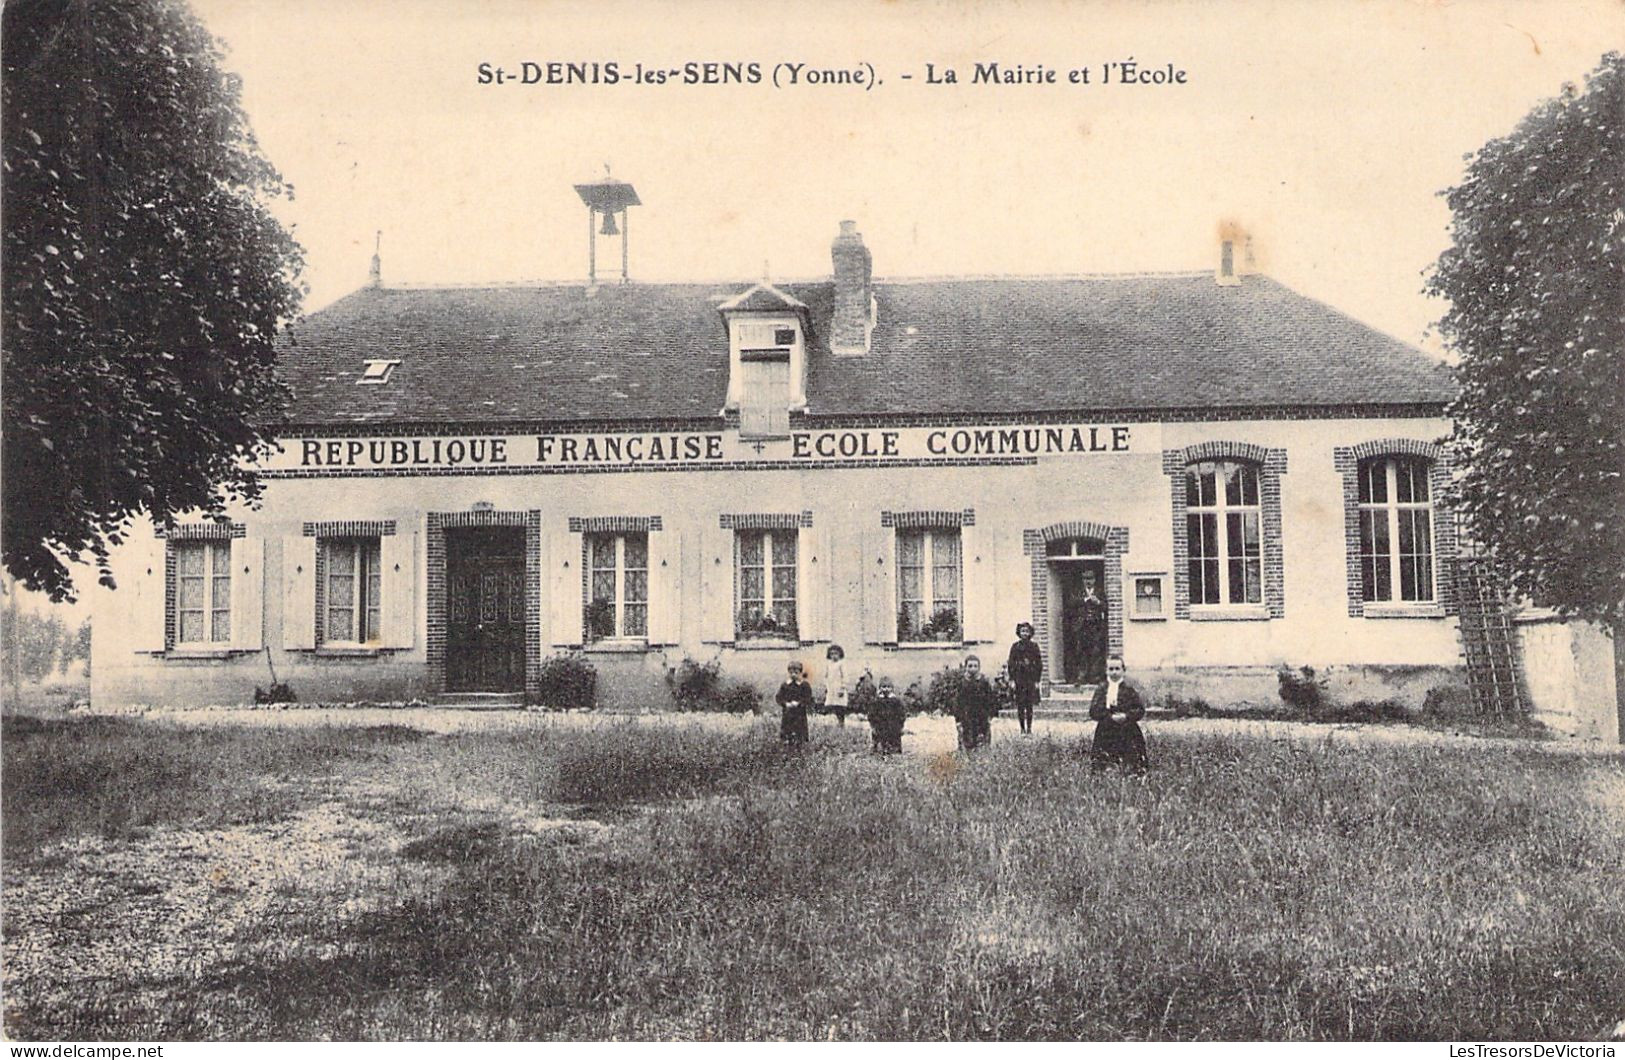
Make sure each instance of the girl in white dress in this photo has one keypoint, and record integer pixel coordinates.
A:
(835, 690)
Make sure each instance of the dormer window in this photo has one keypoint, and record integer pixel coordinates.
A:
(767, 337)
(377, 371)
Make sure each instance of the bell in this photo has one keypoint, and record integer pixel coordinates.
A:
(609, 228)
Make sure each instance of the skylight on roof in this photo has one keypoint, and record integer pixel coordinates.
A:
(377, 371)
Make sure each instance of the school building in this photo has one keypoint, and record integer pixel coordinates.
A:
(475, 479)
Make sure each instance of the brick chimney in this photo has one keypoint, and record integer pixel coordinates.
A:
(854, 318)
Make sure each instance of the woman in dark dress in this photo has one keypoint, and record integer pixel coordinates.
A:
(1026, 669)
(1117, 709)
(794, 697)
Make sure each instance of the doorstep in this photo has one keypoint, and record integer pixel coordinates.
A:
(480, 700)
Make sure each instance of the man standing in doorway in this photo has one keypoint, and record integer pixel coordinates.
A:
(1092, 625)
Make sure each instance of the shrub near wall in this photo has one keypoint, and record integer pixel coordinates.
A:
(566, 682)
(701, 686)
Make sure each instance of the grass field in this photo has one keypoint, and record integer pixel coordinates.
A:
(663, 881)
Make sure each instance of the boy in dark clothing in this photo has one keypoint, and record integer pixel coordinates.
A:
(886, 718)
(975, 706)
(1026, 669)
(794, 697)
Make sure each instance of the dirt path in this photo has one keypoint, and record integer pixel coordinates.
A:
(926, 734)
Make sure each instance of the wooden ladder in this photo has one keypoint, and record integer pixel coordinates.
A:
(1489, 644)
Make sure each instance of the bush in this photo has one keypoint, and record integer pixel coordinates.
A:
(566, 682)
(1195, 707)
(1302, 690)
(943, 695)
(864, 695)
(741, 698)
(700, 686)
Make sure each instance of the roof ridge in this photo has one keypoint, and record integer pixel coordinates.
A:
(497, 285)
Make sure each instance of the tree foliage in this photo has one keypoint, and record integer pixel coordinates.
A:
(146, 279)
(1536, 284)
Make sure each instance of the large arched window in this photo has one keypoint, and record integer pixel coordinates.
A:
(1396, 529)
(1224, 532)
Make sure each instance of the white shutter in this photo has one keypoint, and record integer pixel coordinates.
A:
(248, 593)
(298, 593)
(564, 619)
(144, 581)
(397, 558)
(981, 606)
(665, 586)
(717, 585)
(879, 585)
(815, 588)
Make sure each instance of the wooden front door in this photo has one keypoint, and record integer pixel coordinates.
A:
(485, 610)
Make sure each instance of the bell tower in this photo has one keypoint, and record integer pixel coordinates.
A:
(606, 198)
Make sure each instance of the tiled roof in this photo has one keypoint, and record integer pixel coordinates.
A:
(660, 351)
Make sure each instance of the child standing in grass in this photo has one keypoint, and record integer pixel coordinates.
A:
(974, 706)
(835, 691)
(886, 716)
(1026, 669)
(794, 697)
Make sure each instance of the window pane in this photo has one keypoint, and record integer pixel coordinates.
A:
(603, 551)
(1241, 533)
(908, 549)
(1374, 482)
(1411, 481)
(191, 626)
(1193, 491)
(221, 597)
(910, 584)
(373, 616)
(1210, 582)
(945, 568)
(603, 586)
(784, 548)
(339, 624)
(1240, 485)
(191, 593)
(341, 558)
(637, 586)
(750, 549)
(750, 584)
(189, 559)
(636, 621)
(220, 628)
(784, 584)
(1382, 573)
(909, 620)
(340, 591)
(784, 614)
(637, 551)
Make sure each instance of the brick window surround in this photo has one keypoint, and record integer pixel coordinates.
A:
(1445, 544)
(1035, 542)
(943, 520)
(1271, 464)
(435, 557)
(187, 532)
(327, 530)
